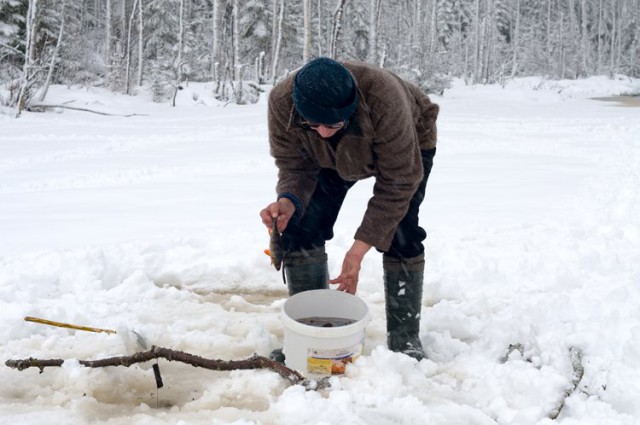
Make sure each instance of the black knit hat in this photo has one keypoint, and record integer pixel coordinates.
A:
(324, 92)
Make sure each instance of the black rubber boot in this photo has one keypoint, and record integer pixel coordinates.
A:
(403, 279)
(305, 270)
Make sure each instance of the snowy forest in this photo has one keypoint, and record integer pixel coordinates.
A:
(161, 44)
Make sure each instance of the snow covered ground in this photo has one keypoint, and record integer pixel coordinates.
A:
(150, 224)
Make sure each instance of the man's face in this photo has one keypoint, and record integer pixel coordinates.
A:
(325, 130)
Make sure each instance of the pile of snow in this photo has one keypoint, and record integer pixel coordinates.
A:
(149, 225)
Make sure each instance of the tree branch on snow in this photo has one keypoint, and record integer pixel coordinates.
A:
(578, 373)
(254, 362)
(75, 108)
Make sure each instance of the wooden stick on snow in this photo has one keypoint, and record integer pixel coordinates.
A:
(68, 325)
(254, 362)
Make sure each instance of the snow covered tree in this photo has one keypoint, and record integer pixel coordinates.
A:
(12, 38)
(255, 34)
(55, 53)
(161, 43)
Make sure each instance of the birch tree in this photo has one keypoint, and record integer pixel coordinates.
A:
(516, 40)
(27, 72)
(584, 37)
(215, 40)
(477, 44)
(127, 72)
(614, 34)
(108, 39)
(635, 50)
(548, 38)
(178, 65)
(433, 28)
(140, 41)
(374, 22)
(278, 42)
(319, 31)
(54, 56)
(562, 59)
(306, 45)
(236, 64)
(337, 26)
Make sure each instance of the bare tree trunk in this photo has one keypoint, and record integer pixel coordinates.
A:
(584, 39)
(623, 14)
(337, 26)
(383, 56)
(599, 45)
(177, 68)
(276, 55)
(574, 34)
(54, 56)
(549, 59)
(28, 57)
(274, 29)
(562, 50)
(140, 42)
(476, 50)
(418, 27)
(128, 49)
(306, 47)
(434, 30)
(180, 43)
(215, 40)
(319, 35)
(108, 41)
(374, 22)
(260, 68)
(614, 25)
(236, 40)
(123, 19)
(635, 50)
(516, 41)
(83, 13)
(488, 36)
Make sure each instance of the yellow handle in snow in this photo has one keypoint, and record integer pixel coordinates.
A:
(68, 325)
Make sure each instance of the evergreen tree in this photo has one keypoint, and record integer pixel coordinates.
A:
(425, 41)
(12, 38)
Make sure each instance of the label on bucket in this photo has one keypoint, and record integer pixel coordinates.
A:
(331, 361)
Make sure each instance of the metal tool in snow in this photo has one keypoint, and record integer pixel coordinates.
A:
(140, 340)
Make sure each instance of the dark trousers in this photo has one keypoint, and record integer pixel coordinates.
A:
(315, 227)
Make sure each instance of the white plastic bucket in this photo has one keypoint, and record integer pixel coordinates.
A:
(313, 350)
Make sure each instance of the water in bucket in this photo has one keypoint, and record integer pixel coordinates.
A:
(324, 330)
(326, 322)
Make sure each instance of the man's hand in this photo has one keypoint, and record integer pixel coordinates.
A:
(282, 210)
(348, 279)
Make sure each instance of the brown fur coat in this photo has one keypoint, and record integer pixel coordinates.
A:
(393, 122)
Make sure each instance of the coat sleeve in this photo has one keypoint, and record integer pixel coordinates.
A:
(398, 170)
(296, 169)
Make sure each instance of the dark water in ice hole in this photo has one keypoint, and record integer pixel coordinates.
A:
(326, 322)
